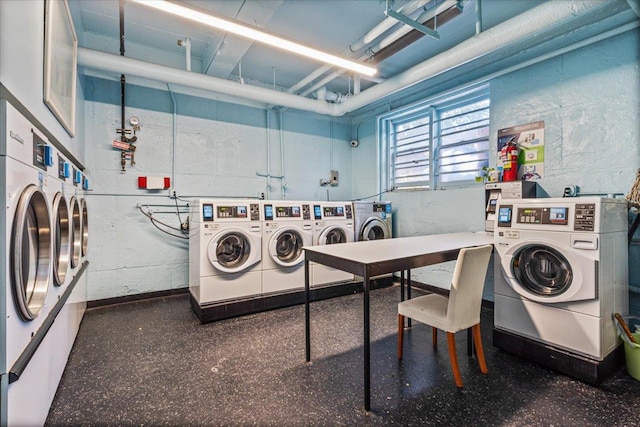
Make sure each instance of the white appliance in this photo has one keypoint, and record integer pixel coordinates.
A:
(373, 220)
(225, 250)
(287, 228)
(60, 224)
(25, 275)
(333, 224)
(561, 271)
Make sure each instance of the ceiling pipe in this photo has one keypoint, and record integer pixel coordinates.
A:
(358, 44)
(116, 64)
(526, 25)
(407, 36)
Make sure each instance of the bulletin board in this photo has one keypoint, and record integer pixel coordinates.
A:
(60, 60)
(530, 141)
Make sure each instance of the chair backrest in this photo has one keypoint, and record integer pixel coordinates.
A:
(465, 297)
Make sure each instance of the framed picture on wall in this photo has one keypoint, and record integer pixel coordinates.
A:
(60, 60)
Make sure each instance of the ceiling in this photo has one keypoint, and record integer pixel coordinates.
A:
(335, 26)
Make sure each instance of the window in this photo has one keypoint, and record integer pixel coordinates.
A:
(437, 143)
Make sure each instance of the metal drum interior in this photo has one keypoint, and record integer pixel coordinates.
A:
(76, 231)
(542, 270)
(31, 253)
(334, 236)
(287, 250)
(85, 226)
(61, 239)
(374, 230)
(232, 250)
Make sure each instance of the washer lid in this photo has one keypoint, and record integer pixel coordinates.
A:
(285, 247)
(374, 229)
(31, 253)
(233, 250)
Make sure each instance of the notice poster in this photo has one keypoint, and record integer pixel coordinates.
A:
(530, 141)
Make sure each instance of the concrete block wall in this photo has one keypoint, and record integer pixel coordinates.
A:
(220, 150)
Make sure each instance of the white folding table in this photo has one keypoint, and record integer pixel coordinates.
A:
(376, 257)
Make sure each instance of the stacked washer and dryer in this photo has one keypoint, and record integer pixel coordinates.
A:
(36, 329)
(561, 271)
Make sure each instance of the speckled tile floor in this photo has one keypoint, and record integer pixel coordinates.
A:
(153, 363)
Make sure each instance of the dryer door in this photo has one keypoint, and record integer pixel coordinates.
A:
(285, 247)
(31, 253)
(76, 231)
(374, 229)
(233, 250)
(547, 273)
(335, 234)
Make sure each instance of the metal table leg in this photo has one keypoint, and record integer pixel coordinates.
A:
(307, 298)
(367, 343)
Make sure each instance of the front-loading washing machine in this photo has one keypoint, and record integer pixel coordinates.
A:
(373, 220)
(333, 224)
(560, 274)
(60, 224)
(25, 275)
(287, 228)
(225, 250)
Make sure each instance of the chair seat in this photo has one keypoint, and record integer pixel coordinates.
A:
(430, 309)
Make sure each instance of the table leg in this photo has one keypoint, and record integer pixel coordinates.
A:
(470, 348)
(367, 343)
(402, 285)
(408, 294)
(307, 298)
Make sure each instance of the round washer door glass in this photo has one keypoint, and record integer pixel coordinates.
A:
(542, 270)
(374, 230)
(288, 247)
(61, 242)
(232, 250)
(334, 236)
(31, 253)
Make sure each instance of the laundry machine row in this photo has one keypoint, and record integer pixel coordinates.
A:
(36, 328)
(247, 255)
(561, 271)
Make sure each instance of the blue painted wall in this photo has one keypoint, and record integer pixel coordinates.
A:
(220, 150)
(590, 102)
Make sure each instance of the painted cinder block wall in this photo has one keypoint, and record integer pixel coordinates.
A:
(220, 148)
(589, 100)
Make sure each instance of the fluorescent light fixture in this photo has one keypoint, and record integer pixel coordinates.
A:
(242, 30)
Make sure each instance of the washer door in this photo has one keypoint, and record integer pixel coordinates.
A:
(233, 250)
(61, 241)
(335, 234)
(31, 253)
(76, 231)
(285, 247)
(84, 237)
(544, 272)
(374, 229)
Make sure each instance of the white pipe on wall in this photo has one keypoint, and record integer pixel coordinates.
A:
(124, 65)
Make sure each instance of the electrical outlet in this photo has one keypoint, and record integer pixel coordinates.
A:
(333, 180)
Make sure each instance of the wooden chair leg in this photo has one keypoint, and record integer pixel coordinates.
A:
(434, 336)
(477, 340)
(400, 334)
(451, 340)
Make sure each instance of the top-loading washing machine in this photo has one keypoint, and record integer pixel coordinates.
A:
(560, 274)
(373, 220)
(333, 224)
(225, 250)
(287, 228)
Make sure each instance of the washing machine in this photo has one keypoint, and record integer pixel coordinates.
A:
(561, 271)
(373, 220)
(225, 250)
(26, 266)
(333, 224)
(286, 229)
